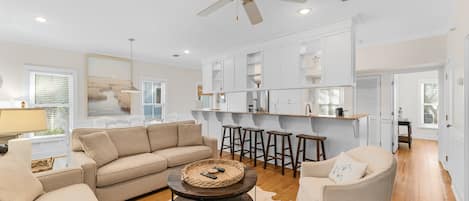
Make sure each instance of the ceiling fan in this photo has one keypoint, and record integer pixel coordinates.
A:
(250, 7)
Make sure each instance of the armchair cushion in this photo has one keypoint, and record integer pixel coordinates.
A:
(77, 192)
(311, 188)
(99, 147)
(347, 169)
(56, 179)
(189, 135)
(17, 181)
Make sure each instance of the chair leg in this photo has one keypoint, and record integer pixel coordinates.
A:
(232, 143)
(242, 147)
(323, 151)
(255, 149)
(297, 156)
(283, 155)
(318, 153)
(262, 143)
(266, 156)
(275, 150)
(250, 144)
(292, 158)
(222, 142)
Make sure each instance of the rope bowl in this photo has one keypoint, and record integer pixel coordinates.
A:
(234, 172)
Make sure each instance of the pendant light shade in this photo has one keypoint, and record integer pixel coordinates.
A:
(132, 88)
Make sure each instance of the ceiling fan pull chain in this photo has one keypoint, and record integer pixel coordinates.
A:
(237, 11)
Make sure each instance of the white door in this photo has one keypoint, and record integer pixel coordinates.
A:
(445, 119)
(369, 101)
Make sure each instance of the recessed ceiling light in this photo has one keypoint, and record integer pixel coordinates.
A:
(304, 11)
(187, 51)
(41, 19)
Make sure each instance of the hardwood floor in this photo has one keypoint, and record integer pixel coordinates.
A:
(419, 177)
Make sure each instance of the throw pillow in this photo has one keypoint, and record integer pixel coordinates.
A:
(99, 147)
(18, 182)
(347, 169)
(189, 134)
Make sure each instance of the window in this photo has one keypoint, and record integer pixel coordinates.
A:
(53, 92)
(154, 100)
(429, 107)
(329, 99)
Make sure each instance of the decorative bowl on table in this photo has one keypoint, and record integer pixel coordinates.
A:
(234, 172)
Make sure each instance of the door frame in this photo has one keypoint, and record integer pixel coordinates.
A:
(379, 109)
(466, 116)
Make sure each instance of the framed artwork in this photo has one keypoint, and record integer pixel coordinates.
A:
(107, 76)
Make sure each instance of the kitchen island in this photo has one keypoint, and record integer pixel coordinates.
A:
(343, 133)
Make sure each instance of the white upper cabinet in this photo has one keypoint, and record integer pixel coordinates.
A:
(207, 77)
(321, 57)
(337, 59)
(229, 74)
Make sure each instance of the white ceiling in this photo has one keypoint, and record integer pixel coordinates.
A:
(163, 28)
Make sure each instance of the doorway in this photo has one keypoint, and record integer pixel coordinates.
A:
(369, 102)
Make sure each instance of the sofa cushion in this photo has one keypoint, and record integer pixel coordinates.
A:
(76, 133)
(130, 167)
(177, 156)
(77, 192)
(311, 188)
(17, 182)
(130, 141)
(99, 147)
(163, 136)
(189, 135)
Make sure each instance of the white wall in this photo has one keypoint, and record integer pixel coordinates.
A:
(181, 82)
(408, 97)
(455, 44)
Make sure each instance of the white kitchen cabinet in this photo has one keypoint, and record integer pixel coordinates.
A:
(228, 74)
(272, 67)
(337, 59)
(282, 66)
(207, 77)
(240, 72)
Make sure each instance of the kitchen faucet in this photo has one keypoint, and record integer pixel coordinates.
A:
(308, 109)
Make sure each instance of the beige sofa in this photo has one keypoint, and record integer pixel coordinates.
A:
(376, 185)
(57, 185)
(146, 157)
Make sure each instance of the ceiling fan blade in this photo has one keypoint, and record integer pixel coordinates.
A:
(297, 1)
(214, 7)
(252, 11)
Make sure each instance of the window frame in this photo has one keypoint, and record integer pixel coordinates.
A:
(163, 104)
(329, 89)
(423, 104)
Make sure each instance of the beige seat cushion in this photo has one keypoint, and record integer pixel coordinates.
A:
(77, 192)
(130, 141)
(163, 136)
(130, 167)
(99, 147)
(177, 156)
(311, 188)
(17, 182)
(189, 135)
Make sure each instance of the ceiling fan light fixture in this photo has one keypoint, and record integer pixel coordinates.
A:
(304, 11)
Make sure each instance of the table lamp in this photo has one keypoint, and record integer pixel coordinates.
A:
(14, 122)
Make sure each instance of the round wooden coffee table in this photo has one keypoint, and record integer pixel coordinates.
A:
(238, 191)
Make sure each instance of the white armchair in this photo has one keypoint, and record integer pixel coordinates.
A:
(376, 185)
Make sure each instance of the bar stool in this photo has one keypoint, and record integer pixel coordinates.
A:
(320, 151)
(258, 134)
(231, 136)
(275, 156)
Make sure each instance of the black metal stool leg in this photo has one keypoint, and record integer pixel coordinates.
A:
(222, 142)
(297, 156)
(266, 157)
(242, 146)
(292, 158)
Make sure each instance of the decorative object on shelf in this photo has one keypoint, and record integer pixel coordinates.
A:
(42, 165)
(339, 112)
(132, 88)
(107, 77)
(193, 173)
(14, 122)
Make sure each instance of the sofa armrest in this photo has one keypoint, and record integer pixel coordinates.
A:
(80, 159)
(317, 169)
(55, 179)
(213, 144)
(378, 186)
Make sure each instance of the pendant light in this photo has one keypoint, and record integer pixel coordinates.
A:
(132, 89)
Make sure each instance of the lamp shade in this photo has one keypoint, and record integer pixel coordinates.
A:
(17, 121)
